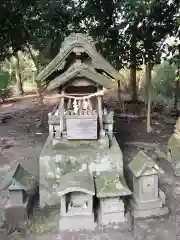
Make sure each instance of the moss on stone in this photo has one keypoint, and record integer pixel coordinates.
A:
(109, 184)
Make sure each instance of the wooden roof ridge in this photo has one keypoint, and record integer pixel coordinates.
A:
(57, 62)
(82, 70)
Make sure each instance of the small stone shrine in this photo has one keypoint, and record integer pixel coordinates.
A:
(173, 150)
(147, 198)
(21, 187)
(81, 164)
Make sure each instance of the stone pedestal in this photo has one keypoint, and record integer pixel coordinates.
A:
(16, 216)
(111, 210)
(149, 208)
(76, 223)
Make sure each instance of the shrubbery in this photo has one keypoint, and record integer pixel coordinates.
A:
(163, 84)
(5, 86)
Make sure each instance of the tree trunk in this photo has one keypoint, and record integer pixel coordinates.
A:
(133, 83)
(148, 88)
(120, 101)
(133, 64)
(176, 96)
(39, 90)
(19, 85)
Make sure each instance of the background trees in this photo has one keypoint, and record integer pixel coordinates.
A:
(128, 33)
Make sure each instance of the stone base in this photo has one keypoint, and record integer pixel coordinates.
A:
(135, 203)
(76, 223)
(149, 210)
(109, 218)
(156, 212)
(93, 156)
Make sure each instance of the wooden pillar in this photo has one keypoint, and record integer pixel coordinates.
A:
(61, 112)
(100, 113)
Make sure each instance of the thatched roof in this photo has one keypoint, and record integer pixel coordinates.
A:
(81, 70)
(68, 46)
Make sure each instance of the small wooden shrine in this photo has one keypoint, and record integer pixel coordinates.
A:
(81, 164)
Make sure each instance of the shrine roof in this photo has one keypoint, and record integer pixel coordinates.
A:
(111, 184)
(80, 70)
(77, 40)
(20, 175)
(142, 163)
(76, 182)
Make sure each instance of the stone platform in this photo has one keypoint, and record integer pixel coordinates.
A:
(75, 223)
(75, 156)
(155, 210)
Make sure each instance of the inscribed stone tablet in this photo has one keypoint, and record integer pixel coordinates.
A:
(83, 128)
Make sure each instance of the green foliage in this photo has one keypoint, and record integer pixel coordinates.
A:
(163, 83)
(44, 24)
(5, 85)
(140, 80)
(128, 33)
(174, 50)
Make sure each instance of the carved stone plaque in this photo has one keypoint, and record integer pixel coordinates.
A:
(148, 184)
(81, 127)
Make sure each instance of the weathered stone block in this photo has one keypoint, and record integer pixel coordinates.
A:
(111, 205)
(109, 218)
(145, 213)
(147, 204)
(77, 223)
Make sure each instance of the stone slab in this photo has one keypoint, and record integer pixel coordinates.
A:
(109, 218)
(135, 203)
(111, 235)
(77, 223)
(156, 212)
(111, 205)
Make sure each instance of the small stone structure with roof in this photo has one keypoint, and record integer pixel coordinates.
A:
(21, 186)
(147, 198)
(111, 190)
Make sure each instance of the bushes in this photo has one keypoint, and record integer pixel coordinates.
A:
(163, 82)
(5, 86)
